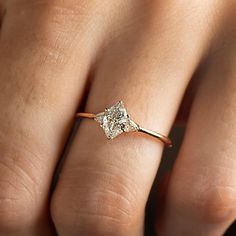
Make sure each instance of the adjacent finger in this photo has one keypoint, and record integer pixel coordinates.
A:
(202, 188)
(1, 14)
(43, 67)
(104, 185)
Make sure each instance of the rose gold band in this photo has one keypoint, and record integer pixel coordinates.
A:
(154, 134)
(85, 115)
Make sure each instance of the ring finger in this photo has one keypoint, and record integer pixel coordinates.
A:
(104, 184)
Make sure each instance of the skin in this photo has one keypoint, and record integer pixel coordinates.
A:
(57, 55)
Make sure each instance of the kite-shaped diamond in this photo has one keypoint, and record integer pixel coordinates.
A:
(115, 120)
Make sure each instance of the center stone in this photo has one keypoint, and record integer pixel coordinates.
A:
(115, 120)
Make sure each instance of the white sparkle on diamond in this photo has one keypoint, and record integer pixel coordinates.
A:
(115, 120)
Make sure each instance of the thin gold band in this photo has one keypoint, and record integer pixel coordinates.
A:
(154, 134)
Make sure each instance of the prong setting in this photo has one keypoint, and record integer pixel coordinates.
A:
(115, 120)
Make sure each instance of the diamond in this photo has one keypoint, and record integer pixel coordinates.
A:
(115, 120)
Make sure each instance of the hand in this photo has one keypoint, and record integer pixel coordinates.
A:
(55, 55)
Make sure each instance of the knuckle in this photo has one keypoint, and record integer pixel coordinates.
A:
(17, 196)
(16, 206)
(46, 4)
(57, 30)
(95, 210)
(54, 24)
(209, 200)
(56, 13)
(216, 204)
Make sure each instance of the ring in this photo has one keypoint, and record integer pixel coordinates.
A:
(115, 120)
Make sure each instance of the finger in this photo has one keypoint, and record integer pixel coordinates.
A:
(104, 185)
(41, 84)
(202, 188)
(1, 15)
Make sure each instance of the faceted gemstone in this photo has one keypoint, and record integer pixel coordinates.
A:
(115, 120)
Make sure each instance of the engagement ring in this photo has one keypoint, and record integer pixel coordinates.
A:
(115, 120)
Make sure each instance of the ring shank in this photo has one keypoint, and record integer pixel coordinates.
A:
(159, 136)
(85, 115)
(154, 134)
